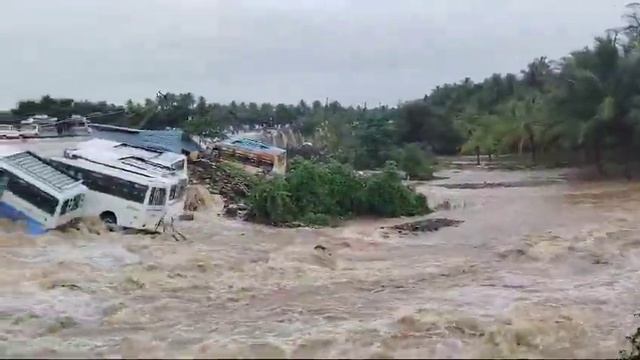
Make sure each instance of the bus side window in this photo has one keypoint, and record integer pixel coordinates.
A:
(32, 194)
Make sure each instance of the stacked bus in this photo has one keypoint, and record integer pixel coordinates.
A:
(37, 193)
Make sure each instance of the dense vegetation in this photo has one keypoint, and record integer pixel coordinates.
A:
(586, 104)
(320, 193)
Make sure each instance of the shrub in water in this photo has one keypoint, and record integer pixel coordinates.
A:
(385, 195)
(413, 160)
(320, 193)
(271, 202)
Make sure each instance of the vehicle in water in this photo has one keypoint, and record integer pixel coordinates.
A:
(40, 119)
(9, 132)
(117, 150)
(29, 130)
(129, 186)
(253, 153)
(37, 193)
(167, 164)
(45, 126)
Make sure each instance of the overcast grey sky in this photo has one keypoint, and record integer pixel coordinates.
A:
(279, 50)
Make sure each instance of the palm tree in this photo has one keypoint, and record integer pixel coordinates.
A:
(599, 88)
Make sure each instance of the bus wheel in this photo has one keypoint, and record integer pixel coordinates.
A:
(109, 219)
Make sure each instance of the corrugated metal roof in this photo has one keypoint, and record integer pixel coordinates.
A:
(253, 146)
(34, 166)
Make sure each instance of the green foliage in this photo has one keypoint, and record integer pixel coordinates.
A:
(414, 161)
(237, 172)
(318, 194)
(425, 123)
(375, 139)
(385, 195)
(271, 202)
(64, 108)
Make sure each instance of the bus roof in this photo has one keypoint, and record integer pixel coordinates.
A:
(35, 170)
(128, 157)
(108, 169)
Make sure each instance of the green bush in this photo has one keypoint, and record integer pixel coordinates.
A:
(271, 202)
(319, 194)
(386, 196)
(413, 160)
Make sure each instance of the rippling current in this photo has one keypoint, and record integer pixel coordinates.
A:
(543, 268)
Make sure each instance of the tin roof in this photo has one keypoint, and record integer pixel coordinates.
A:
(37, 168)
(253, 146)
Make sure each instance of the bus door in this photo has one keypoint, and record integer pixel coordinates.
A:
(157, 203)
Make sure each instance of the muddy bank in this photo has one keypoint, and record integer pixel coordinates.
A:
(541, 271)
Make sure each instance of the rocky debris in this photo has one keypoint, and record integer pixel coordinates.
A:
(230, 210)
(69, 286)
(322, 256)
(217, 177)
(235, 210)
(426, 225)
(323, 249)
(186, 217)
(220, 178)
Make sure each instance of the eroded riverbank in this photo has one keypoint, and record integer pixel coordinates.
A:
(548, 270)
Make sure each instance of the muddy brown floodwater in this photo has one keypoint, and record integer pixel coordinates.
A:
(542, 269)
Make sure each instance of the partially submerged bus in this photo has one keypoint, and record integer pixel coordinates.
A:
(165, 164)
(125, 189)
(107, 149)
(36, 193)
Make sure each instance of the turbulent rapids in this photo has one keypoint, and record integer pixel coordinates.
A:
(541, 268)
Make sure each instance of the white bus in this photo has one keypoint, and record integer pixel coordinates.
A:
(36, 193)
(170, 166)
(126, 191)
(113, 150)
(9, 132)
(29, 130)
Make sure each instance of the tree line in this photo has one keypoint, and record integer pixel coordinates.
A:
(587, 103)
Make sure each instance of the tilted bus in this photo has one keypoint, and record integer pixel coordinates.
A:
(35, 192)
(126, 189)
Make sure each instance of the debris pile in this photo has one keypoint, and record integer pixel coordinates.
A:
(426, 225)
(224, 179)
(506, 184)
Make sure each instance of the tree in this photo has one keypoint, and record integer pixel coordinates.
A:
(283, 115)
